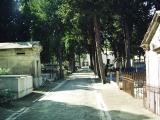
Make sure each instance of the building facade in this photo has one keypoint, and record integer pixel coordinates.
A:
(22, 58)
(151, 45)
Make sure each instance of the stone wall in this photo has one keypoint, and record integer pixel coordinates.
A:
(17, 62)
(22, 62)
(19, 85)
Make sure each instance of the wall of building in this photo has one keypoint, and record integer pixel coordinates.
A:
(152, 80)
(22, 62)
(19, 61)
(151, 43)
(152, 68)
(155, 43)
(153, 76)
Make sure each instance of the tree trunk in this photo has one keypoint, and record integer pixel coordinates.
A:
(60, 63)
(128, 47)
(97, 65)
(79, 57)
(91, 57)
(72, 62)
(127, 28)
(98, 49)
(93, 60)
(118, 60)
(92, 48)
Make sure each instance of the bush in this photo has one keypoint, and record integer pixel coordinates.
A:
(6, 96)
(4, 71)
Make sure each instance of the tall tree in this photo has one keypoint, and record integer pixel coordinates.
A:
(94, 11)
(129, 15)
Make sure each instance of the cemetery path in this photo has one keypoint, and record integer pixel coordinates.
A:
(74, 99)
(80, 97)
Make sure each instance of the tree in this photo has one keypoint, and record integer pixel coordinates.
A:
(69, 27)
(10, 21)
(129, 16)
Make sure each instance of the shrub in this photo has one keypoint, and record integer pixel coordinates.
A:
(4, 71)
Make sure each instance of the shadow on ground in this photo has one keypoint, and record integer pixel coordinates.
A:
(52, 110)
(22, 102)
(8, 109)
(121, 115)
(77, 84)
(48, 86)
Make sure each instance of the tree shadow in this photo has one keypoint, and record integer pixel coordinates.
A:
(7, 109)
(52, 110)
(121, 115)
(28, 100)
(77, 84)
(22, 102)
(48, 86)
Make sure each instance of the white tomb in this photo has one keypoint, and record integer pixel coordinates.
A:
(151, 45)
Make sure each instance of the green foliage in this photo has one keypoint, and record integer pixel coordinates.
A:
(132, 14)
(64, 27)
(64, 11)
(39, 8)
(4, 71)
(84, 56)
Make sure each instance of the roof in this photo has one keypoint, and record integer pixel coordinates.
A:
(14, 45)
(151, 30)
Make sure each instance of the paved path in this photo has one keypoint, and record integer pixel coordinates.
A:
(81, 97)
(122, 106)
(74, 99)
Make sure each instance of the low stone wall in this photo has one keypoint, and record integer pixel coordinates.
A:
(19, 85)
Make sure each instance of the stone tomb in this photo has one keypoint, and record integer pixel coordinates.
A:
(151, 45)
(18, 85)
(22, 58)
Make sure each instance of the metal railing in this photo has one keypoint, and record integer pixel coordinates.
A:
(151, 98)
(133, 83)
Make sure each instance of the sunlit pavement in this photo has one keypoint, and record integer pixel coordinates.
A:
(122, 106)
(73, 99)
(82, 97)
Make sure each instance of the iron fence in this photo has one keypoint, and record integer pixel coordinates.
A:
(151, 98)
(133, 83)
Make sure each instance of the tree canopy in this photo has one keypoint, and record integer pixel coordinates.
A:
(67, 28)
